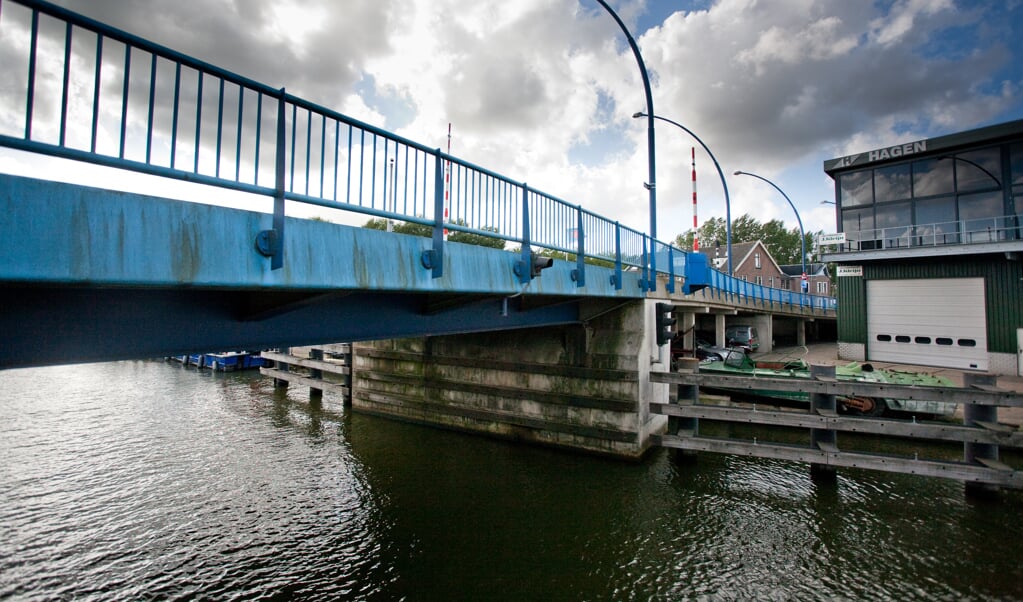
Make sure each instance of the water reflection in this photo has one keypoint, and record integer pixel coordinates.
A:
(142, 479)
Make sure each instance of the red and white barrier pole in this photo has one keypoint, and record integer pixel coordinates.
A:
(447, 182)
(696, 232)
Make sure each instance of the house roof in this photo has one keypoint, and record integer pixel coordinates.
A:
(741, 252)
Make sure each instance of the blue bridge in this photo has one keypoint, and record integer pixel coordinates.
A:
(95, 274)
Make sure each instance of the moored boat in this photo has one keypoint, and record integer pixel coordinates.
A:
(741, 364)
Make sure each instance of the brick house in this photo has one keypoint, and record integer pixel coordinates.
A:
(752, 262)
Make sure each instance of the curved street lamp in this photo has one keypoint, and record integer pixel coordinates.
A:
(652, 184)
(998, 182)
(802, 235)
(721, 174)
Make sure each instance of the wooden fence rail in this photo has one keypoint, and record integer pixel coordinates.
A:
(316, 365)
(980, 432)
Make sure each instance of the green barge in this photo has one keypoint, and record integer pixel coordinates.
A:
(737, 363)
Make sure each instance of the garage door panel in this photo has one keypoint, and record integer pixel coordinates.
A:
(935, 322)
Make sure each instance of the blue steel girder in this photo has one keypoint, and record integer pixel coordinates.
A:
(66, 234)
(91, 275)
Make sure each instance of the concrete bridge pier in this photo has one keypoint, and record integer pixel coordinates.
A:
(764, 324)
(582, 386)
(687, 326)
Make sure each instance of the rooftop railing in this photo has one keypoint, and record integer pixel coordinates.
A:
(97, 94)
(963, 232)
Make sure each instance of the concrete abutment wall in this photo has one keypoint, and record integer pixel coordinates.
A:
(583, 386)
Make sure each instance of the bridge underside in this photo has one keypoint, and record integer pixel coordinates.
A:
(57, 325)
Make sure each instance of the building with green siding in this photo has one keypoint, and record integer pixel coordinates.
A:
(929, 271)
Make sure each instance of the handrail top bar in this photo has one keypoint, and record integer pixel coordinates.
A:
(122, 36)
(126, 38)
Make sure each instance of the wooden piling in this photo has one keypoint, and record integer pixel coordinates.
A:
(687, 394)
(826, 440)
(984, 416)
(311, 370)
(981, 434)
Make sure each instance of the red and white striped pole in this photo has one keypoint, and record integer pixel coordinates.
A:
(447, 182)
(696, 232)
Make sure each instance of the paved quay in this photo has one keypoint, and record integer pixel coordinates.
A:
(827, 354)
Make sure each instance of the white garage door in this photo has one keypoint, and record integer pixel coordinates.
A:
(938, 322)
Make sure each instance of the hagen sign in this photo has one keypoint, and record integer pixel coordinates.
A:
(849, 270)
(892, 152)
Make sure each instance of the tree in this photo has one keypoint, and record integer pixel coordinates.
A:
(712, 231)
(426, 231)
(379, 223)
(480, 240)
(781, 243)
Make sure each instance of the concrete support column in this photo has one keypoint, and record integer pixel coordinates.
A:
(719, 330)
(688, 327)
(801, 332)
(579, 386)
(765, 328)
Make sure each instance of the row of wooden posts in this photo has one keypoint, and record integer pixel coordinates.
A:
(980, 433)
(982, 436)
(332, 360)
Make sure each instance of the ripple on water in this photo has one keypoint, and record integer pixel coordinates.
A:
(142, 480)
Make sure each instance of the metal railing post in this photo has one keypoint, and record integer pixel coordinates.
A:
(433, 259)
(526, 260)
(579, 274)
(617, 278)
(671, 270)
(270, 243)
(644, 280)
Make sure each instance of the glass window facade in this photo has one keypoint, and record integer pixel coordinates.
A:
(979, 170)
(962, 197)
(933, 226)
(892, 183)
(855, 189)
(1016, 165)
(933, 176)
(895, 221)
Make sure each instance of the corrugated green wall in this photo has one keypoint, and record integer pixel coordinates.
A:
(852, 309)
(1003, 291)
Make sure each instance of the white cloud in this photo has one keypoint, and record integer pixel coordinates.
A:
(773, 88)
(901, 18)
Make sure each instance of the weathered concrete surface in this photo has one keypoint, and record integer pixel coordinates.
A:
(584, 387)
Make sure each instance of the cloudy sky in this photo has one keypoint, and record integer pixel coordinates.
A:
(543, 90)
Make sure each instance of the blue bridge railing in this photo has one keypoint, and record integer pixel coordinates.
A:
(153, 110)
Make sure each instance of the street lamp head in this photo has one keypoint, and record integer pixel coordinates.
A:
(638, 114)
(738, 173)
(827, 202)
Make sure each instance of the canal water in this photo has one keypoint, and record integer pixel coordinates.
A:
(146, 480)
